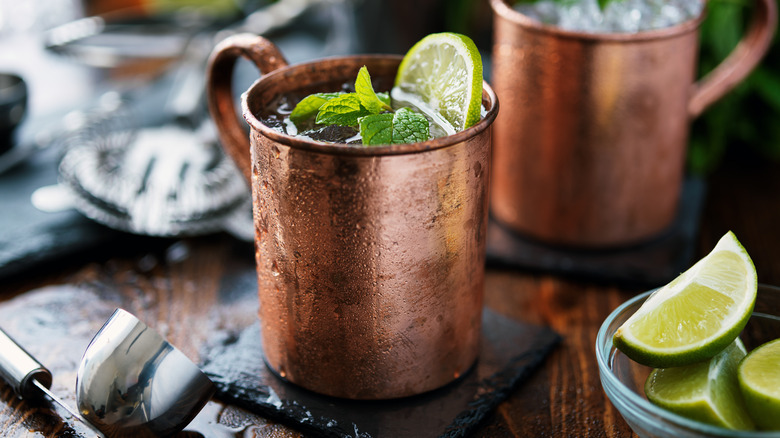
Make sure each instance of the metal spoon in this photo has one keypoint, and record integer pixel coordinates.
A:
(28, 377)
(130, 383)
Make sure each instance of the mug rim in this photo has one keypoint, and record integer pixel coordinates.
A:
(502, 9)
(488, 95)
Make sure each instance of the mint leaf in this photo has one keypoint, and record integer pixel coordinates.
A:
(405, 126)
(377, 129)
(365, 92)
(410, 127)
(385, 98)
(364, 109)
(344, 110)
(309, 106)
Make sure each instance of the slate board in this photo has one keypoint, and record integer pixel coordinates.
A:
(646, 265)
(510, 352)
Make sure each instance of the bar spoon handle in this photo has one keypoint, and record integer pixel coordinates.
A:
(20, 369)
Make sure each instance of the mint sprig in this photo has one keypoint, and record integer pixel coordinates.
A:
(385, 97)
(367, 95)
(344, 110)
(403, 126)
(309, 106)
(377, 129)
(410, 127)
(366, 110)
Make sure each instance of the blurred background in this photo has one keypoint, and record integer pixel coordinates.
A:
(747, 118)
(150, 34)
(92, 68)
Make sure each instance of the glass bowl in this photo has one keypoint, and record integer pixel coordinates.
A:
(623, 379)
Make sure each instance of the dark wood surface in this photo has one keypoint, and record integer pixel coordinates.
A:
(177, 287)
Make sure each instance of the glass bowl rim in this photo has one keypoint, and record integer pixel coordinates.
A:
(641, 406)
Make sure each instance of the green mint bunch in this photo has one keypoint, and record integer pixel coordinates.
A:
(366, 110)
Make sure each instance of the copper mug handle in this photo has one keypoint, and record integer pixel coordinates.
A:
(740, 62)
(219, 89)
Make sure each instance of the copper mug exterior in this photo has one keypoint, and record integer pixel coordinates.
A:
(590, 145)
(370, 260)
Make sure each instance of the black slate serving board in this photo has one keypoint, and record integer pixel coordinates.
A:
(648, 264)
(510, 352)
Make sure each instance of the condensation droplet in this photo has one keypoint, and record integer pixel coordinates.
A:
(477, 169)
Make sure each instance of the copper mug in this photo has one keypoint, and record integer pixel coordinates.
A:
(370, 260)
(590, 146)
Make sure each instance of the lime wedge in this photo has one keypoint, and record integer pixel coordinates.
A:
(443, 72)
(759, 380)
(697, 314)
(706, 391)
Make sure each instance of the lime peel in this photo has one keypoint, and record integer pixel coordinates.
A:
(759, 381)
(705, 391)
(696, 315)
(445, 71)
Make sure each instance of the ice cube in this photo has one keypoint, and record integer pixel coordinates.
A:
(619, 16)
(331, 133)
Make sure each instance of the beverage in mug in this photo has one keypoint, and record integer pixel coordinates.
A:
(590, 146)
(370, 258)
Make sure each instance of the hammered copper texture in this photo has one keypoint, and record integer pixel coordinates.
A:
(370, 261)
(590, 146)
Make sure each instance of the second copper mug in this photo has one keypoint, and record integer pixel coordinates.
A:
(590, 145)
(370, 260)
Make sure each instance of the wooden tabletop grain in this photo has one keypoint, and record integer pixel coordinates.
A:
(178, 288)
(175, 286)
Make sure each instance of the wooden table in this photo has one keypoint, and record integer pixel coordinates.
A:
(175, 285)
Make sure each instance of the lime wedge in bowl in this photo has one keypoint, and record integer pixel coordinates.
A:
(697, 314)
(705, 391)
(441, 75)
(624, 380)
(759, 380)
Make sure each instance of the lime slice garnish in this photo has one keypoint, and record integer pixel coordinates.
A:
(705, 391)
(695, 316)
(443, 72)
(759, 379)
